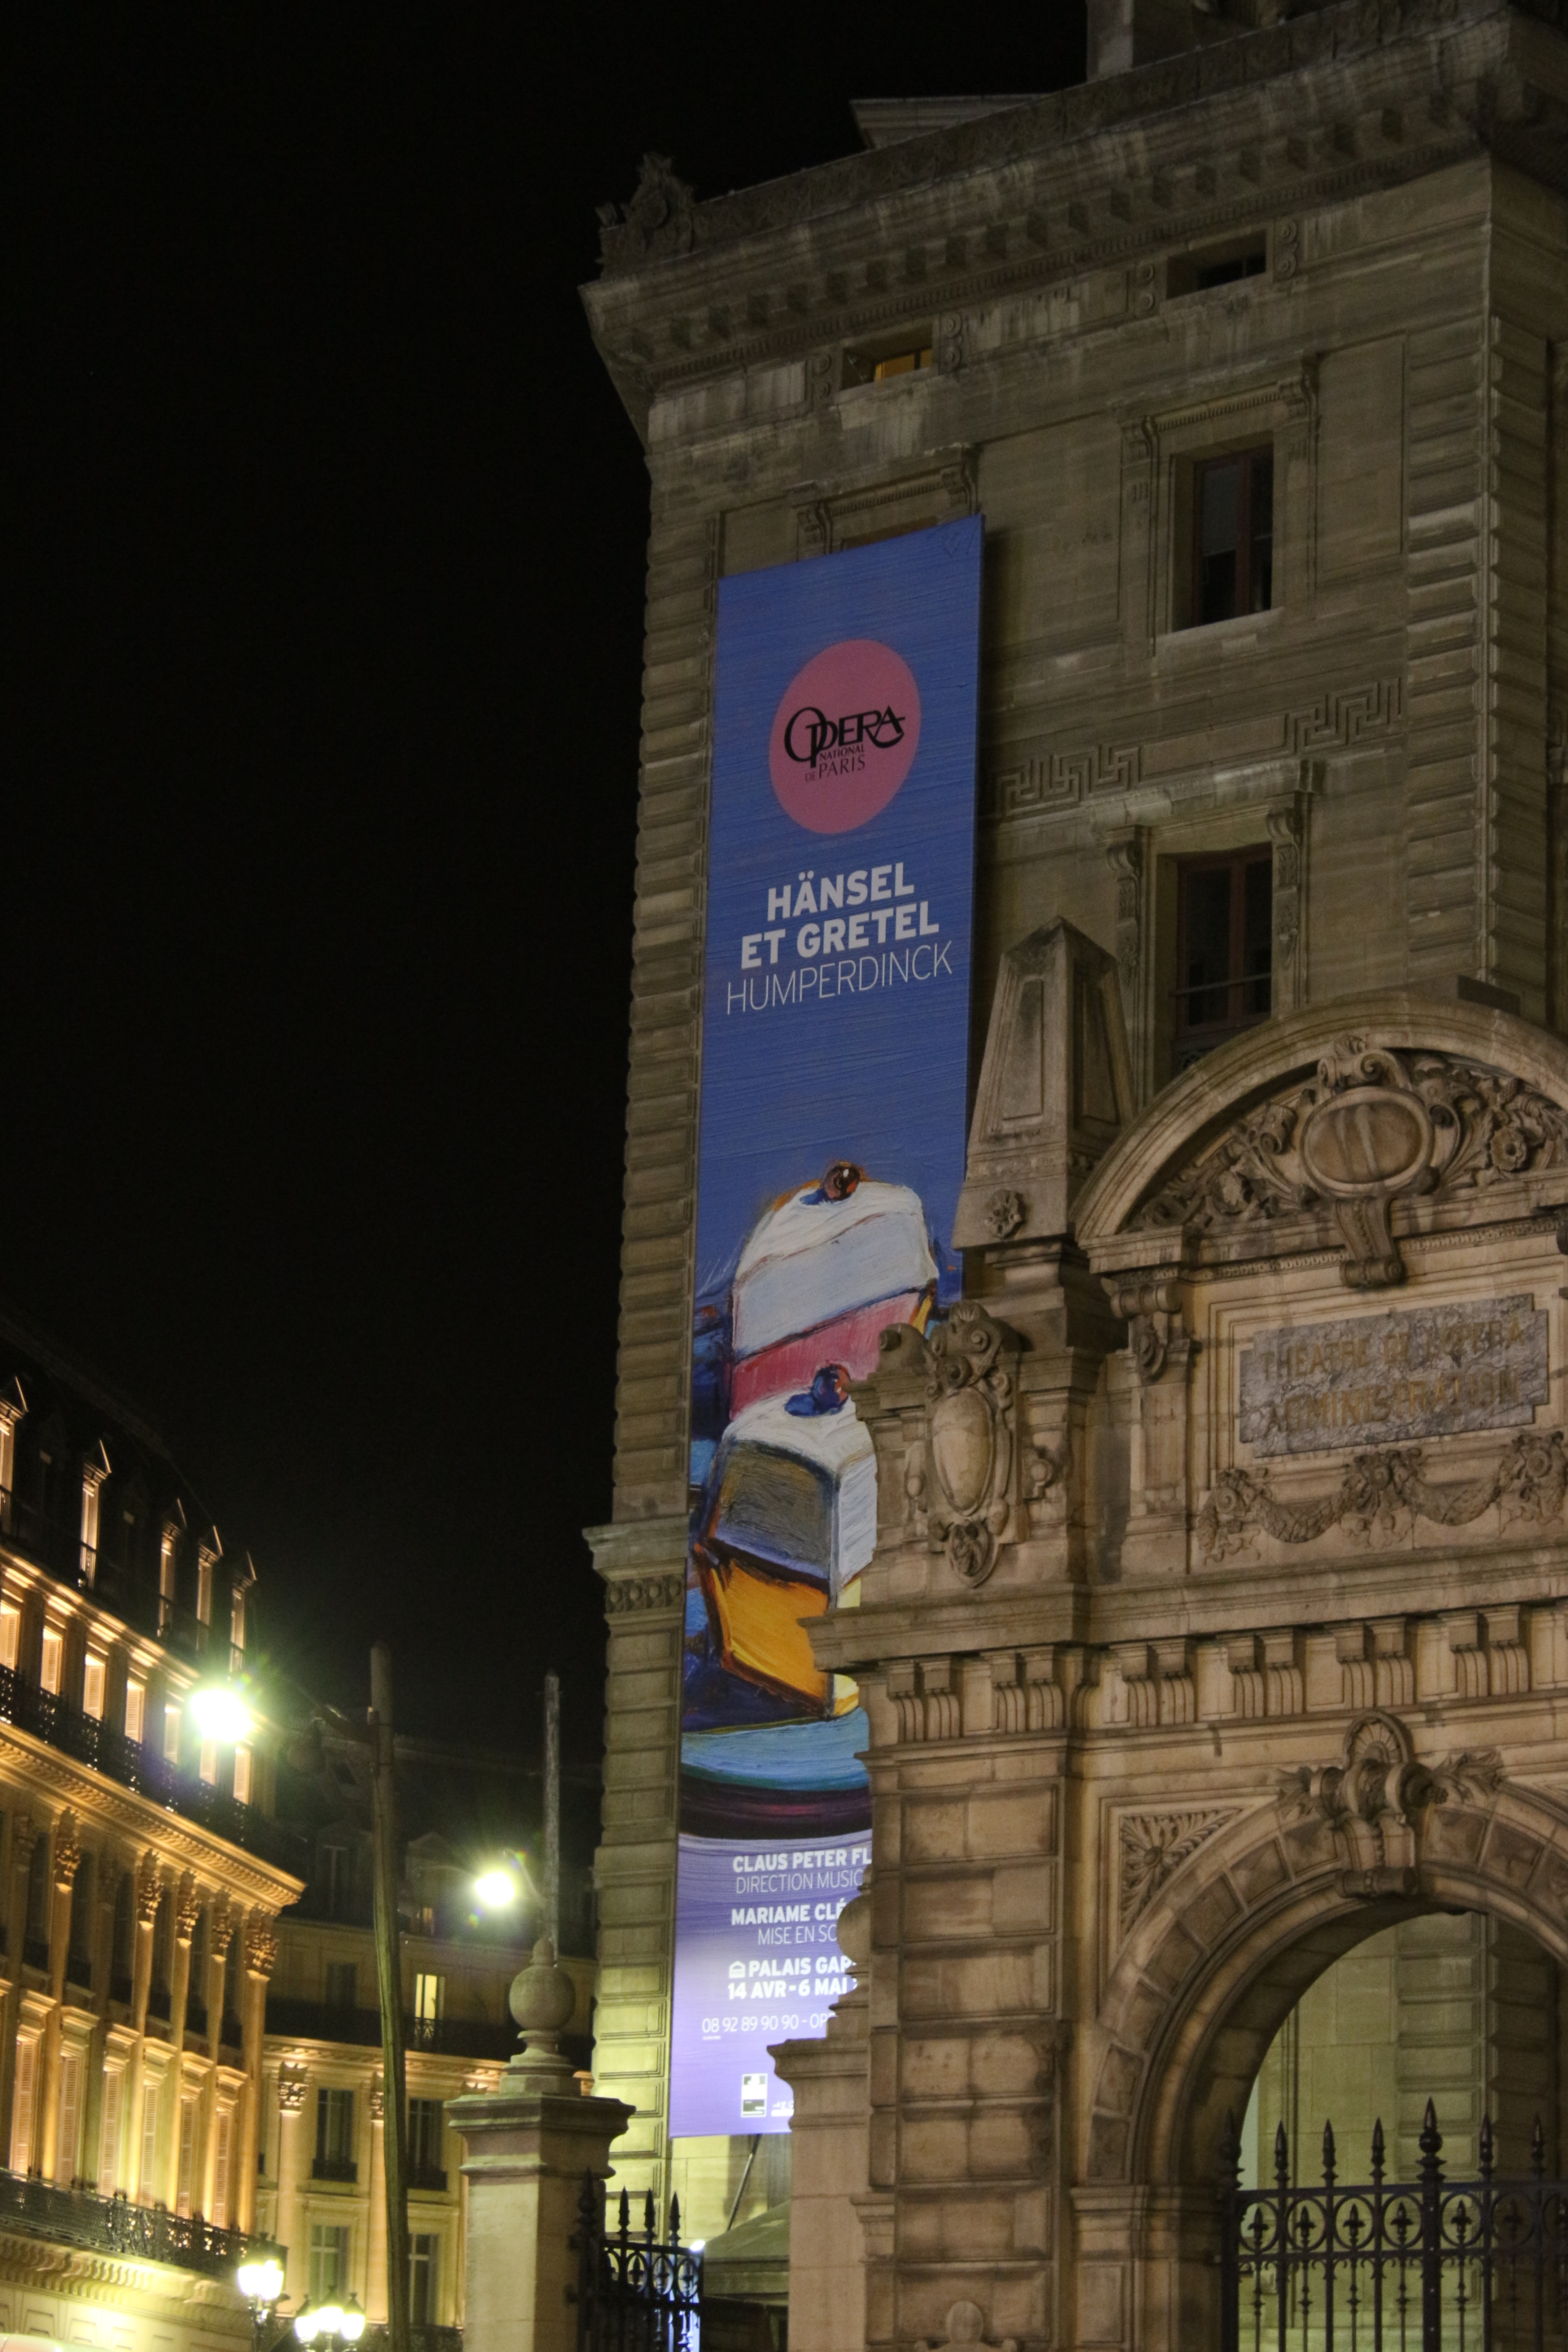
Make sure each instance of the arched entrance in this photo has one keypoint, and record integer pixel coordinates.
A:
(1363, 1849)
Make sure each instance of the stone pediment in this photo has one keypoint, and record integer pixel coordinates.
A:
(1342, 1127)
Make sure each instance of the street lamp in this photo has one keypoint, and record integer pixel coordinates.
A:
(496, 1889)
(221, 1714)
(261, 2284)
(330, 2323)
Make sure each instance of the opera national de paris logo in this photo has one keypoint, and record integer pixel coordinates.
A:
(845, 736)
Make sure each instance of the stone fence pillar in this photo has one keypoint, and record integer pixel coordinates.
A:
(526, 2146)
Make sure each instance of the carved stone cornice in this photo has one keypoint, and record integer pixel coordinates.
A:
(1271, 124)
(97, 1800)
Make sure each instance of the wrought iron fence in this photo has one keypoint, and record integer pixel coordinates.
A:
(1429, 2265)
(636, 2292)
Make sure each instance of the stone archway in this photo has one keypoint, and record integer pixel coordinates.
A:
(1235, 1936)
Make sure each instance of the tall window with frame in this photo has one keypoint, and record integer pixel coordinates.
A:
(1225, 922)
(328, 2262)
(426, 2119)
(335, 2136)
(423, 2277)
(1232, 537)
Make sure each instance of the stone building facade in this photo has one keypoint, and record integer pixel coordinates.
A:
(141, 1877)
(1239, 1642)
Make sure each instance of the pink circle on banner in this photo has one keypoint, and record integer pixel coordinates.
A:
(845, 735)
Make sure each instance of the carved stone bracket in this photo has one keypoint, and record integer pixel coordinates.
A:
(1382, 1494)
(624, 1595)
(1286, 831)
(187, 1908)
(1375, 1795)
(260, 1945)
(1126, 854)
(221, 1927)
(1151, 1307)
(149, 1888)
(67, 1850)
(291, 2088)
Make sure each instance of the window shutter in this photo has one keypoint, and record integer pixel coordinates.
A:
(109, 2134)
(68, 2144)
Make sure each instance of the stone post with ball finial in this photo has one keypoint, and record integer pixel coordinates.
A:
(526, 2146)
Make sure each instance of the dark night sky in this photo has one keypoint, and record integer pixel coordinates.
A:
(320, 719)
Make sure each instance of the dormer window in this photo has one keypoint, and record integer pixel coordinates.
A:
(94, 1475)
(168, 1568)
(205, 1588)
(237, 1618)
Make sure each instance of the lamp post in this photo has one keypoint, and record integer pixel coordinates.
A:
(261, 2285)
(330, 2324)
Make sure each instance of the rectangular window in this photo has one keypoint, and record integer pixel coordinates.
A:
(108, 2131)
(1224, 949)
(424, 2274)
(172, 1734)
(147, 2175)
(223, 2158)
(7, 1468)
(52, 1659)
(342, 1984)
(10, 1633)
(167, 1572)
(910, 354)
(208, 1765)
(25, 2104)
(423, 2137)
(1233, 537)
(329, 2262)
(67, 2143)
(205, 1588)
(335, 2136)
(93, 1674)
(1216, 265)
(236, 1617)
(135, 1708)
(90, 1485)
(186, 2172)
(426, 1998)
(242, 1776)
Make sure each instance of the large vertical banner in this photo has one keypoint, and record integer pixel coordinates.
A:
(833, 1127)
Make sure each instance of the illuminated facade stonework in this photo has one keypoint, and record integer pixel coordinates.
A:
(143, 1878)
(1216, 1622)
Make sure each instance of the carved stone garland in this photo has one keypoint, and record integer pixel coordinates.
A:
(1386, 1493)
(1374, 1125)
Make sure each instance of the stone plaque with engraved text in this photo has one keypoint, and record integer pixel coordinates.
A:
(1379, 1380)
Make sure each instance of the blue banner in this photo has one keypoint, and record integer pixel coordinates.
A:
(835, 1078)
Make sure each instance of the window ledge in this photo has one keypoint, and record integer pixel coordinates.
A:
(1207, 638)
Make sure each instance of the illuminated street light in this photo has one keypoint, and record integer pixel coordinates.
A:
(261, 2284)
(496, 1889)
(330, 2323)
(222, 1714)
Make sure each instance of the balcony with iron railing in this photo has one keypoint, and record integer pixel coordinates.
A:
(446, 2037)
(112, 2225)
(30, 1708)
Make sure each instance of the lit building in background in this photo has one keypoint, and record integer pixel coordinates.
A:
(141, 1877)
(321, 2181)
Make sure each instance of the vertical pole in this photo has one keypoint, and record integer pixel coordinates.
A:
(1431, 2233)
(389, 1978)
(553, 1809)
